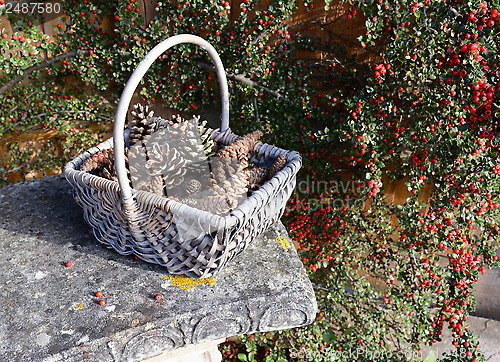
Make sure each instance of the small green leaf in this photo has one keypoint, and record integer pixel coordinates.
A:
(329, 336)
(431, 357)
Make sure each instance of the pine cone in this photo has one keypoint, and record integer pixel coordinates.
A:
(177, 118)
(167, 162)
(256, 175)
(277, 166)
(193, 187)
(90, 164)
(215, 204)
(240, 148)
(224, 169)
(229, 164)
(236, 189)
(94, 161)
(108, 175)
(214, 200)
(137, 158)
(206, 140)
(138, 173)
(204, 132)
(185, 137)
(171, 152)
(101, 164)
(143, 123)
(154, 185)
(163, 158)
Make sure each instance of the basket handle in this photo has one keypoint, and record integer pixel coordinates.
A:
(131, 86)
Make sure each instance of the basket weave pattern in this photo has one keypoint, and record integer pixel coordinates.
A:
(148, 225)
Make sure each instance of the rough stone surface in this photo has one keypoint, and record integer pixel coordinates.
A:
(487, 292)
(50, 311)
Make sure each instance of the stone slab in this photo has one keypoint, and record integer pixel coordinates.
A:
(487, 292)
(50, 312)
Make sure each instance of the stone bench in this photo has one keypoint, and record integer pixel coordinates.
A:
(50, 311)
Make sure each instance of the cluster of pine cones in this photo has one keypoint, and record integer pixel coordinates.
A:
(180, 160)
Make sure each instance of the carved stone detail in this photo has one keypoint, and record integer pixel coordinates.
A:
(154, 341)
(215, 326)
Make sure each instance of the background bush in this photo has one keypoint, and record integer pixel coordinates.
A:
(415, 102)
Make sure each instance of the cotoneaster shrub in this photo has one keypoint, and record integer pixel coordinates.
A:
(413, 102)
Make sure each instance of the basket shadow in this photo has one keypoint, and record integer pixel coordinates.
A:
(44, 208)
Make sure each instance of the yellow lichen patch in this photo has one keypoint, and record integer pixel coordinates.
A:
(188, 283)
(79, 306)
(285, 243)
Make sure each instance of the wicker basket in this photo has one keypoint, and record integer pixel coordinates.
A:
(150, 226)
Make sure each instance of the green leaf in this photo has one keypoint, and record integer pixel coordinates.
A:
(329, 336)
(431, 357)
(242, 357)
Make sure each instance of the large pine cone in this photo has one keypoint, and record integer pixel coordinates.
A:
(256, 175)
(143, 123)
(166, 162)
(98, 160)
(101, 164)
(232, 159)
(240, 148)
(139, 175)
(223, 169)
(214, 200)
(191, 139)
(277, 166)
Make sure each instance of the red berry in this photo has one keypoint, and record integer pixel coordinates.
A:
(158, 296)
(102, 302)
(69, 264)
(98, 294)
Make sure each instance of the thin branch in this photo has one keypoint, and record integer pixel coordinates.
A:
(256, 110)
(145, 12)
(5, 140)
(260, 36)
(22, 166)
(44, 114)
(305, 24)
(245, 80)
(326, 75)
(29, 95)
(109, 119)
(39, 66)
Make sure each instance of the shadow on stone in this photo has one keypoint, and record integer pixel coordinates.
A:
(45, 208)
